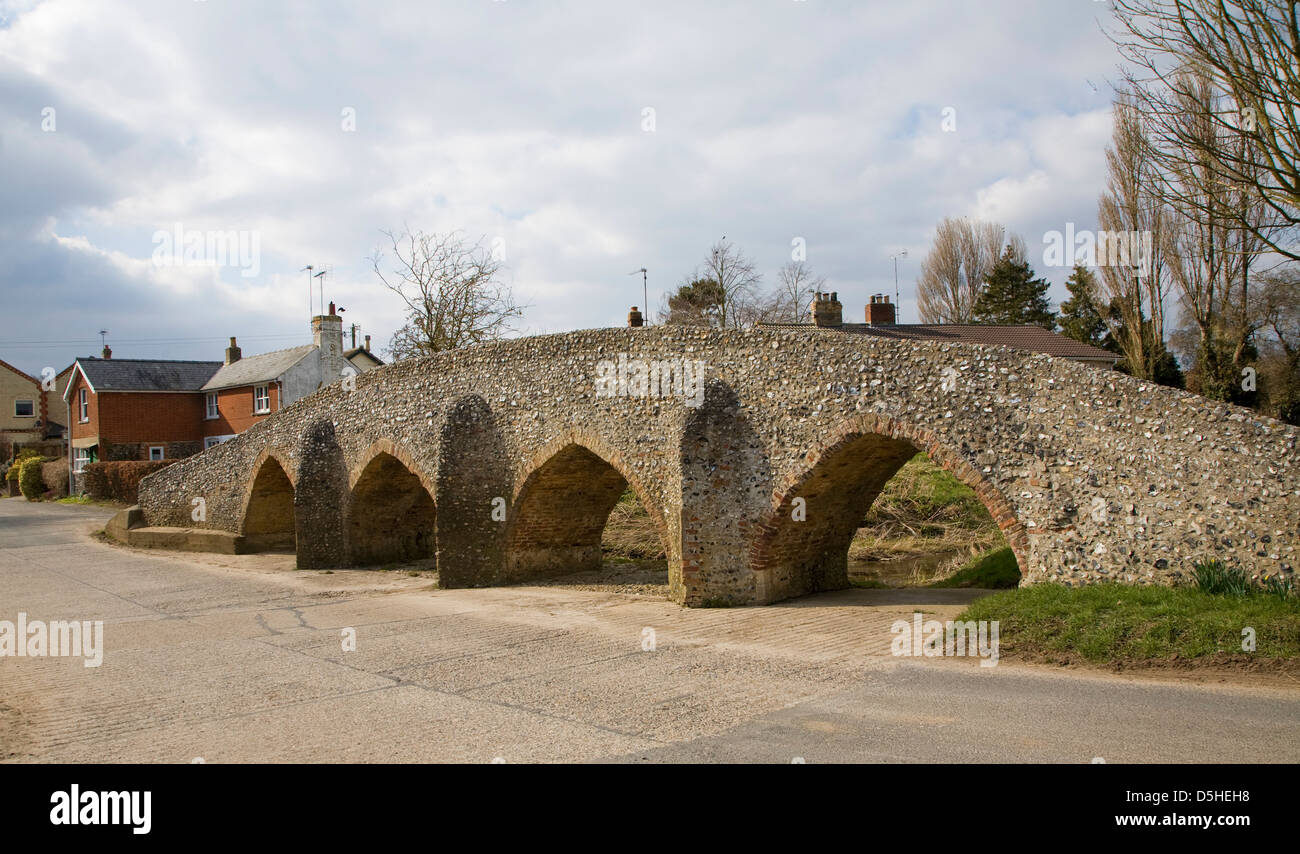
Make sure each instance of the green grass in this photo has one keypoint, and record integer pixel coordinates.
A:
(923, 492)
(994, 570)
(1114, 623)
(86, 500)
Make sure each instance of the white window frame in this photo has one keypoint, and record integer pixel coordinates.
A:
(162, 453)
(213, 407)
(80, 459)
(83, 405)
(30, 403)
(213, 441)
(262, 392)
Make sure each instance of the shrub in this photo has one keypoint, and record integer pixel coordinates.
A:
(30, 480)
(23, 455)
(55, 475)
(119, 481)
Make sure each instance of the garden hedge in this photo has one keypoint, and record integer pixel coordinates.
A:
(119, 481)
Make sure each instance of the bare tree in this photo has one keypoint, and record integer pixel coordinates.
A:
(1247, 53)
(954, 271)
(794, 292)
(450, 287)
(737, 281)
(1212, 240)
(1135, 292)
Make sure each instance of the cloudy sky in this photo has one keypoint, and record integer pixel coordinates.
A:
(586, 138)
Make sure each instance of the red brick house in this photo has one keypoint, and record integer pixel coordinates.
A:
(134, 409)
(158, 409)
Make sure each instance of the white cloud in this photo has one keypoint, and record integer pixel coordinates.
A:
(521, 121)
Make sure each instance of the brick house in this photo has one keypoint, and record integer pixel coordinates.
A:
(158, 409)
(246, 390)
(134, 409)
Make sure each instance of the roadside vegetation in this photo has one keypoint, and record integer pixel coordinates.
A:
(1221, 618)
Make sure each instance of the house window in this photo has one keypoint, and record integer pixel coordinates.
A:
(156, 452)
(83, 405)
(213, 441)
(261, 400)
(80, 457)
(213, 411)
(24, 408)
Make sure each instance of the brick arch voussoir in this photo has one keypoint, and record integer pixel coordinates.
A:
(851, 428)
(597, 445)
(397, 452)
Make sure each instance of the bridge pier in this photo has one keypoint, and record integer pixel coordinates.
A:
(473, 494)
(320, 499)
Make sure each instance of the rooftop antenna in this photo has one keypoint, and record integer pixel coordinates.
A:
(898, 318)
(103, 342)
(308, 268)
(321, 276)
(645, 300)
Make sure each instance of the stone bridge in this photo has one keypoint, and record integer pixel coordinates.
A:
(756, 454)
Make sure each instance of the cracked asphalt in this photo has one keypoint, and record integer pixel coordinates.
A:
(243, 659)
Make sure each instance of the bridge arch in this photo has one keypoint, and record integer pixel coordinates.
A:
(268, 518)
(561, 502)
(391, 515)
(800, 550)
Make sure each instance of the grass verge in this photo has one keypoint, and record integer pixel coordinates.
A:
(993, 570)
(1120, 625)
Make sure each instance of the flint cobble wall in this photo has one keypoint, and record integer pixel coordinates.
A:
(1092, 475)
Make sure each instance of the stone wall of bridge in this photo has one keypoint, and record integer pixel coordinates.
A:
(513, 453)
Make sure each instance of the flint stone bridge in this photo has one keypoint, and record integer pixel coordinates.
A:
(504, 462)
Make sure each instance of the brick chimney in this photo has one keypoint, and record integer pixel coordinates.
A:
(826, 309)
(367, 343)
(233, 353)
(327, 335)
(107, 352)
(880, 311)
(635, 318)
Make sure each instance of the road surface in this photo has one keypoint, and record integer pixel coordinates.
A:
(242, 659)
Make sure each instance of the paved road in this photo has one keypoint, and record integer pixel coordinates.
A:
(240, 659)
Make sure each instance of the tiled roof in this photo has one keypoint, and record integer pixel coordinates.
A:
(146, 374)
(1033, 338)
(261, 368)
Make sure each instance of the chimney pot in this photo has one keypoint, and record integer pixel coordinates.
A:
(108, 352)
(635, 318)
(367, 343)
(233, 353)
(331, 308)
